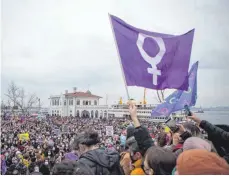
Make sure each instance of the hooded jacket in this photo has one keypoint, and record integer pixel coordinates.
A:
(102, 162)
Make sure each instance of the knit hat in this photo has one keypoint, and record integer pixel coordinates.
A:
(201, 162)
(196, 143)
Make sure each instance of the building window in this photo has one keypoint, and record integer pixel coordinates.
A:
(95, 102)
(78, 102)
(86, 102)
(70, 102)
(89, 102)
(83, 102)
(65, 102)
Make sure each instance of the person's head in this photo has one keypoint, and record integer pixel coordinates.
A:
(36, 169)
(196, 143)
(16, 172)
(135, 153)
(192, 129)
(46, 162)
(161, 140)
(85, 141)
(159, 161)
(201, 162)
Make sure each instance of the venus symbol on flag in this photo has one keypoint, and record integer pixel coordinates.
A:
(153, 61)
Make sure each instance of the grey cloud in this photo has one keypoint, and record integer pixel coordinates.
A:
(50, 46)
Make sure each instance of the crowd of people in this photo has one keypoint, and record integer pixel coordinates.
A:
(81, 146)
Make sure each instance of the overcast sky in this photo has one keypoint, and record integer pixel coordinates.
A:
(49, 46)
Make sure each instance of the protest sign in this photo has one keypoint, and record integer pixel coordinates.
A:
(23, 136)
(109, 131)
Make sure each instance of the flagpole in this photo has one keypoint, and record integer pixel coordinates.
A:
(127, 92)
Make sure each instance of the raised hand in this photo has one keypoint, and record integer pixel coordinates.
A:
(194, 118)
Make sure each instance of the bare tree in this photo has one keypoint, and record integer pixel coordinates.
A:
(17, 98)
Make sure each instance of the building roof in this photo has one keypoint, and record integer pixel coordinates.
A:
(82, 94)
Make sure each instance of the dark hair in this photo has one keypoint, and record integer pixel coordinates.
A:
(87, 138)
(162, 139)
(64, 168)
(192, 129)
(33, 159)
(162, 161)
(130, 131)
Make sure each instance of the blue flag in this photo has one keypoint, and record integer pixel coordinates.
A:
(179, 98)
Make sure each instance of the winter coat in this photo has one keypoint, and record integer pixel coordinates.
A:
(102, 162)
(219, 138)
(143, 139)
(125, 162)
(137, 168)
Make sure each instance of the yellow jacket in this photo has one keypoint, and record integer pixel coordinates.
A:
(137, 168)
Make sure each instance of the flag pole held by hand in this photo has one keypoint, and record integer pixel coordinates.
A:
(127, 92)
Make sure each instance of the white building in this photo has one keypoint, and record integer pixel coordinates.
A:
(85, 104)
(77, 104)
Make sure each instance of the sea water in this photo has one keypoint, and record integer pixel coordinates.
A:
(215, 117)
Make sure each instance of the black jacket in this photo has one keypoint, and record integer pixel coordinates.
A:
(102, 162)
(143, 139)
(218, 136)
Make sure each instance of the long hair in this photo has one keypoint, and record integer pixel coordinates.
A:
(162, 161)
(192, 129)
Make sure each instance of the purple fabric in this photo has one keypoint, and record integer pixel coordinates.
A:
(3, 167)
(71, 156)
(179, 98)
(139, 48)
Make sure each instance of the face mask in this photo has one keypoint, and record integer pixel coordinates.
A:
(46, 163)
(49, 153)
(38, 147)
(36, 169)
(6, 154)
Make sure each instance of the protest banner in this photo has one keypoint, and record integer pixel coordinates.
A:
(109, 131)
(23, 136)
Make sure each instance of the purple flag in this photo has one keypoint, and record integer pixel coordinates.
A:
(153, 60)
(71, 156)
(177, 100)
(3, 166)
